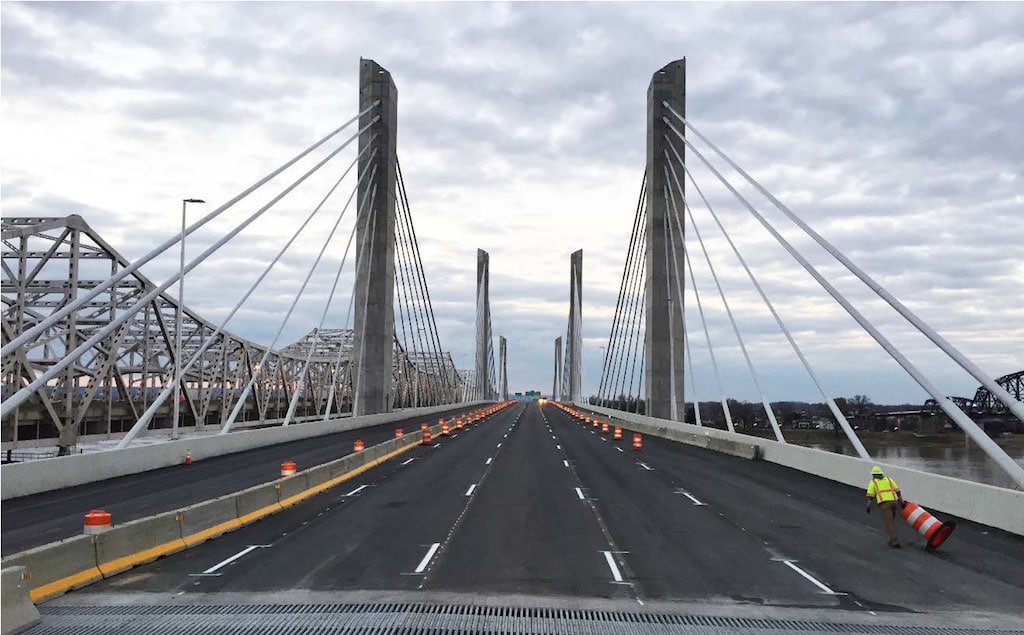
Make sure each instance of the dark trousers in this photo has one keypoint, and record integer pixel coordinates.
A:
(889, 510)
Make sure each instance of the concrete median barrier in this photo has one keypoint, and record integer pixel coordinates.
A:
(138, 542)
(318, 475)
(19, 613)
(208, 519)
(288, 489)
(256, 502)
(58, 566)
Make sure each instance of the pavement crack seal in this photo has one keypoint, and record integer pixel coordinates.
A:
(613, 556)
(437, 550)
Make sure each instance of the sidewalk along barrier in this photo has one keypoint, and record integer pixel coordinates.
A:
(33, 477)
(986, 504)
(138, 542)
(19, 614)
(57, 567)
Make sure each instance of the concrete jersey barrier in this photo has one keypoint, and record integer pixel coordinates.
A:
(19, 614)
(986, 504)
(53, 569)
(44, 475)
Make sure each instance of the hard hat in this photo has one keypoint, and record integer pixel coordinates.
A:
(876, 470)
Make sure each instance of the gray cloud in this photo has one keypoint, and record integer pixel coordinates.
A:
(892, 129)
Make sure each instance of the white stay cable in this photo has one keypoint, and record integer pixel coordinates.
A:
(725, 302)
(300, 382)
(836, 412)
(711, 349)
(997, 391)
(280, 329)
(147, 416)
(55, 317)
(977, 435)
(71, 357)
(693, 382)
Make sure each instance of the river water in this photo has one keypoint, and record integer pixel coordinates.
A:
(950, 454)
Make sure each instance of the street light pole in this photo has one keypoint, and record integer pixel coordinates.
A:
(177, 321)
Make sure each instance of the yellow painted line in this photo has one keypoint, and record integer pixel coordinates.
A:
(221, 528)
(92, 574)
(127, 562)
(55, 588)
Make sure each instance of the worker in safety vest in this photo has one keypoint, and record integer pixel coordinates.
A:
(886, 493)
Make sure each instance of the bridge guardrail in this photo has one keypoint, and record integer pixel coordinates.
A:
(985, 504)
(75, 562)
(23, 479)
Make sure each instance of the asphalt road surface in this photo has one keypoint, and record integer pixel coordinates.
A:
(30, 521)
(529, 502)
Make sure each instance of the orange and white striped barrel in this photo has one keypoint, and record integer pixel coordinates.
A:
(424, 425)
(595, 422)
(604, 427)
(426, 437)
(934, 531)
(617, 435)
(637, 441)
(358, 446)
(458, 424)
(444, 428)
(399, 432)
(97, 521)
(288, 468)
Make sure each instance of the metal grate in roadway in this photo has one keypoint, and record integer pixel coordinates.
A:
(433, 619)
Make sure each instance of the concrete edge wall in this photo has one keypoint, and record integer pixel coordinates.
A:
(19, 614)
(44, 475)
(53, 569)
(981, 503)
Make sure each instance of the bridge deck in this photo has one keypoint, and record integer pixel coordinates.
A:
(500, 503)
(30, 521)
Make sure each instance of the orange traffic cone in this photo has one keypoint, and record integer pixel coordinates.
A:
(188, 456)
(637, 441)
(934, 531)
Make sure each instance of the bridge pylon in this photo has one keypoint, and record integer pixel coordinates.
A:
(483, 389)
(556, 387)
(375, 257)
(663, 359)
(574, 337)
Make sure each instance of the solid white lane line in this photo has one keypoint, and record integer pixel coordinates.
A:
(408, 461)
(488, 461)
(695, 501)
(426, 559)
(611, 565)
(471, 488)
(224, 563)
(357, 490)
(565, 463)
(579, 493)
(821, 586)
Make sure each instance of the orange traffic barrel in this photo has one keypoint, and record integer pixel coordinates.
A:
(97, 521)
(444, 428)
(358, 446)
(604, 427)
(637, 441)
(595, 422)
(426, 437)
(458, 424)
(934, 531)
(617, 435)
(288, 468)
(587, 419)
(399, 432)
(188, 456)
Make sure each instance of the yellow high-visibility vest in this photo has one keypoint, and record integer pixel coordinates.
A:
(883, 489)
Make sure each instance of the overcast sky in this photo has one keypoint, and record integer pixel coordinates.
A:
(895, 130)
